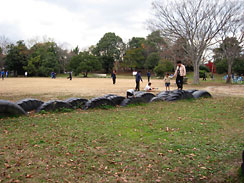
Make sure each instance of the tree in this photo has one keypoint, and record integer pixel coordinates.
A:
(4, 43)
(230, 50)
(1, 58)
(136, 42)
(197, 22)
(163, 67)
(17, 58)
(64, 57)
(84, 63)
(76, 51)
(110, 46)
(221, 66)
(178, 52)
(134, 58)
(44, 59)
(107, 63)
(155, 42)
(238, 66)
(152, 60)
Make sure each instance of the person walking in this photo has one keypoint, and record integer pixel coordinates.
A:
(138, 79)
(2, 74)
(70, 76)
(148, 76)
(113, 75)
(180, 72)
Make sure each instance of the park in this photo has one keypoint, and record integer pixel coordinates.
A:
(140, 143)
(122, 91)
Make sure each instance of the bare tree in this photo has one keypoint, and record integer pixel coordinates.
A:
(4, 42)
(197, 22)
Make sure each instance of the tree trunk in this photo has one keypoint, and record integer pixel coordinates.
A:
(196, 73)
(228, 80)
(85, 74)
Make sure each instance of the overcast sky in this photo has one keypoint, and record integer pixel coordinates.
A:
(73, 22)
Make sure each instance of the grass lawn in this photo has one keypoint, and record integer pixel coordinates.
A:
(185, 141)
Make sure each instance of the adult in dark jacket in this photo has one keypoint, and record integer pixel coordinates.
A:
(70, 76)
(138, 79)
(113, 75)
(148, 76)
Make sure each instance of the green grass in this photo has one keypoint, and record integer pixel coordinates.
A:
(185, 141)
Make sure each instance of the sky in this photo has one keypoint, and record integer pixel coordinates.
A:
(73, 22)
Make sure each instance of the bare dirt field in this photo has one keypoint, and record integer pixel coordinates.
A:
(45, 88)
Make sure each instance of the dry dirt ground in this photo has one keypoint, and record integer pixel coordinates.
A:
(45, 88)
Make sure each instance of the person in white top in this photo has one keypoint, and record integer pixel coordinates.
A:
(148, 87)
(180, 73)
(130, 93)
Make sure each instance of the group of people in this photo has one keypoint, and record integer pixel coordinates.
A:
(180, 73)
(3, 74)
(235, 78)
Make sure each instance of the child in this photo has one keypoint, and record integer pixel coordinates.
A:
(130, 93)
(167, 82)
(148, 87)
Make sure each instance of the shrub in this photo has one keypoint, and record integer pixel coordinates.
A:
(204, 68)
(201, 73)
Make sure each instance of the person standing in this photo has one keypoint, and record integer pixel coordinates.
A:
(138, 79)
(26, 74)
(204, 77)
(70, 76)
(6, 74)
(180, 72)
(113, 75)
(2, 74)
(167, 82)
(148, 76)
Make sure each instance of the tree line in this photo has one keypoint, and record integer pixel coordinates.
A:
(152, 53)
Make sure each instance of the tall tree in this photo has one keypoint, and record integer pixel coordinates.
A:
(136, 42)
(84, 63)
(110, 46)
(197, 22)
(17, 58)
(230, 50)
(44, 59)
(155, 42)
(152, 61)
(134, 58)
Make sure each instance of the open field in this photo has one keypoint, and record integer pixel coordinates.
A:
(185, 141)
(60, 88)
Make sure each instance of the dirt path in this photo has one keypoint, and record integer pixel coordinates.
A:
(46, 88)
(229, 90)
